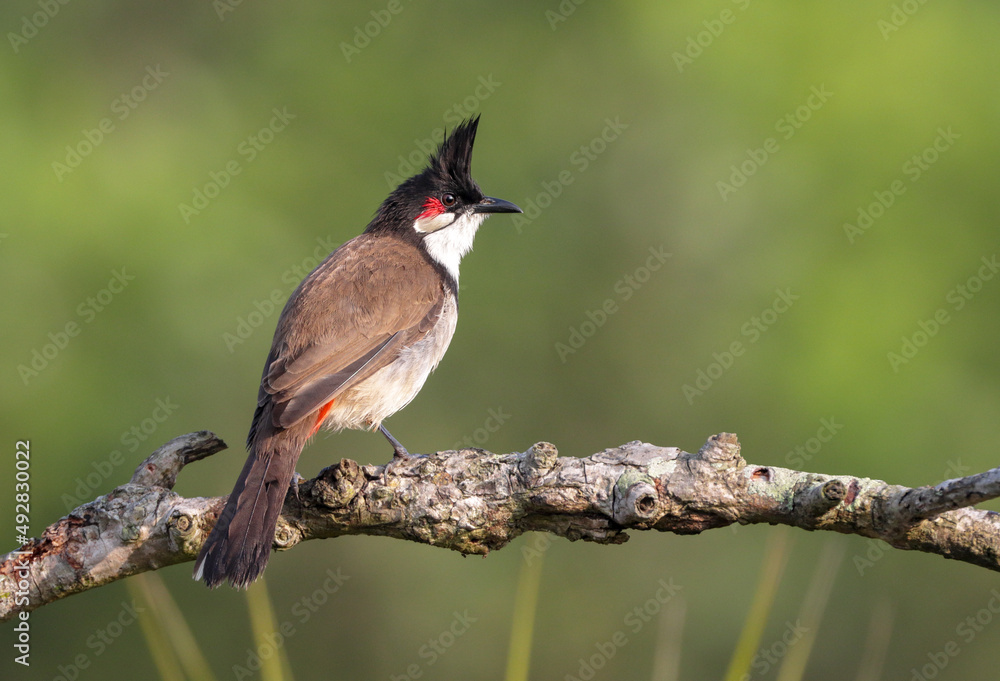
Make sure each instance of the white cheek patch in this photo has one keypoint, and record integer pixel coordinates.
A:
(449, 245)
(433, 224)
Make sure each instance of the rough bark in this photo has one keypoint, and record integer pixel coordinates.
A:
(474, 501)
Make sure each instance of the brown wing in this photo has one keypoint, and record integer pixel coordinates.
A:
(368, 300)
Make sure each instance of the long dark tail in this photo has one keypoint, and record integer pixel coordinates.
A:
(240, 543)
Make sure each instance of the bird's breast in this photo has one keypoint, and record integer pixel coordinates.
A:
(392, 387)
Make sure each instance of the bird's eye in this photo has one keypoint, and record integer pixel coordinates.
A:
(448, 199)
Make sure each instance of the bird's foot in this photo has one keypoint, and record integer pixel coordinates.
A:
(398, 451)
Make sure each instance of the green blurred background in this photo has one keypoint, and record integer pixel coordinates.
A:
(820, 106)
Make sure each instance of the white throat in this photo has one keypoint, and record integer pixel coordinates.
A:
(449, 244)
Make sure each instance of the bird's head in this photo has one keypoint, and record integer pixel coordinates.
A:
(442, 205)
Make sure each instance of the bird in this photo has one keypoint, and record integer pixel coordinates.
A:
(355, 343)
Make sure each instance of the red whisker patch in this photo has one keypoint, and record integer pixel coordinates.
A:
(432, 208)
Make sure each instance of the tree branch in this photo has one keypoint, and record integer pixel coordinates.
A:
(473, 501)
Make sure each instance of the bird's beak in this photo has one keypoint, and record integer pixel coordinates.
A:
(490, 205)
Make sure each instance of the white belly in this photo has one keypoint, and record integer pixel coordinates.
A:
(391, 388)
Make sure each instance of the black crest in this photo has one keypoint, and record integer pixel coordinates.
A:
(454, 157)
(448, 169)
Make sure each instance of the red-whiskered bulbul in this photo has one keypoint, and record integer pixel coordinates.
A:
(354, 344)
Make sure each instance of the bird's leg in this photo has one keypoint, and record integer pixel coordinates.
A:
(294, 484)
(399, 451)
